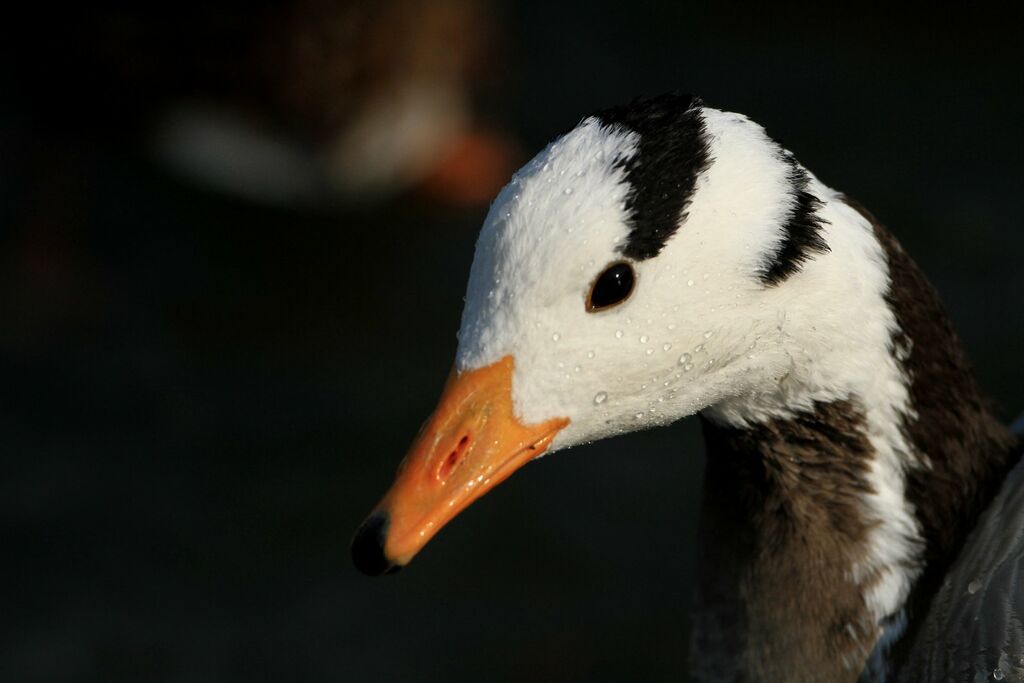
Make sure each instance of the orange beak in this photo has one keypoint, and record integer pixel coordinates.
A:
(471, 443)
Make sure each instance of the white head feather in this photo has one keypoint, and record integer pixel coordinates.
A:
(701, 331)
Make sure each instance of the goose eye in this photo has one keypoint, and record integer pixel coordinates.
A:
(612, 286)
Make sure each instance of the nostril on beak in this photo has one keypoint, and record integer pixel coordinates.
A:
(452, 460)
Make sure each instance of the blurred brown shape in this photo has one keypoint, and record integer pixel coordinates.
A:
(362, 101)
(476, 167)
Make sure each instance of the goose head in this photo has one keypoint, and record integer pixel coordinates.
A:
(659, 259)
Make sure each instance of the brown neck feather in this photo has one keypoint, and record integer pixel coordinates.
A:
(967, 451)
(783, 520)
(781, 529)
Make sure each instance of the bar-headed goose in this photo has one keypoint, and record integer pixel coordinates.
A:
(665, 259)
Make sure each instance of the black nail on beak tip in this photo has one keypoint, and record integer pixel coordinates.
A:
(368, 546)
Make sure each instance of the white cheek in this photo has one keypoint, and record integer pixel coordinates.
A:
(681, 341)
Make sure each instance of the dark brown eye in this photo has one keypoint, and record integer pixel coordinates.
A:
(613, 286)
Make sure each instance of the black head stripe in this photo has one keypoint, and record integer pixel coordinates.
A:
(801, 231)
(673, 150)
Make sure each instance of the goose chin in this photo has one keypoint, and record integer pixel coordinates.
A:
(471, 443)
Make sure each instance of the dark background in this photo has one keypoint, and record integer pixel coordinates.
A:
(204, 392)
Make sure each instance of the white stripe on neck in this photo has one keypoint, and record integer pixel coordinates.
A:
(838, 331)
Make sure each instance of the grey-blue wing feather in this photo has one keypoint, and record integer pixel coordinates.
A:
(974, 629)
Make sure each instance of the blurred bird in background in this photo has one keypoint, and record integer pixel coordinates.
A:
(359, 102)
(312, 105)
